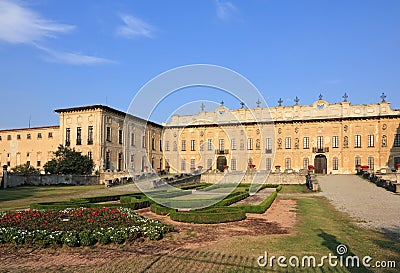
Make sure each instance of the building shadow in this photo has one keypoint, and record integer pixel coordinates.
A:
(331, 242)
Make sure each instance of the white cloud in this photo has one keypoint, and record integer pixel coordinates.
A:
(134, 27)
(225, 9)
(20, 25)
(71, 58)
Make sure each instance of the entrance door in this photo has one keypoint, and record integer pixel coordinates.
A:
(221, 163)
(320, 164)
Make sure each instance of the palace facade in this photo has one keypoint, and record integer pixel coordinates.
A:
(333, 138)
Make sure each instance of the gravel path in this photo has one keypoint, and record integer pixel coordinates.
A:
(372, 206)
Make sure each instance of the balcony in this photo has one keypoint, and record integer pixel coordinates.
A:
(320, 150)
(222, 152)
(268, 151)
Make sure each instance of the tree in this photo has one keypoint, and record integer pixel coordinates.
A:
(69, 161)
(25, 169)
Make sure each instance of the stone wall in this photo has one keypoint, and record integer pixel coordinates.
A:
(14, 180)
(256, 177)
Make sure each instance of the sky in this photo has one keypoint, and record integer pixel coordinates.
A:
(66, 53)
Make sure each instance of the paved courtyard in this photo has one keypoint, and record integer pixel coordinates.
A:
(372, 206)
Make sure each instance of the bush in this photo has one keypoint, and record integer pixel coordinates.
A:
(261, 208)
(210, 216)
(160, 210)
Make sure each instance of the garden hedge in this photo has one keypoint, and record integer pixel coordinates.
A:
(209, 216)
(262, 207)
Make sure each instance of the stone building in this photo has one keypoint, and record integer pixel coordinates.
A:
(97, 131)
(333, 138)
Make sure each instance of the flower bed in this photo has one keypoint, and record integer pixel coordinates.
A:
(77, 227)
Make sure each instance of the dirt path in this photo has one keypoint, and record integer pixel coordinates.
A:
(145, 255)
(370, 205)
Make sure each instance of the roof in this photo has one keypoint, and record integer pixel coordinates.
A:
(31, 128)
(104, 108)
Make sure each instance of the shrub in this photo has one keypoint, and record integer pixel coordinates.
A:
(210, 216)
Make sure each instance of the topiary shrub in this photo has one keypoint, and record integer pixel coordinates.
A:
(210, 216)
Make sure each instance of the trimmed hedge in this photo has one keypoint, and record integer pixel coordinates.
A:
(196, 186)
(279, 188)
(133, 201)
(160, 210)
(262, 207)
(210, 216)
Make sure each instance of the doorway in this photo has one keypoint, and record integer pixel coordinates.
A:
(221, 163)
(320, 164)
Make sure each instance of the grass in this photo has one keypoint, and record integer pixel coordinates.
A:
(295, 189)
(320, 229)
(22, 197)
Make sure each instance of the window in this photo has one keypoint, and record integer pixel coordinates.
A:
(233, 144)
(183, 165)
(287, 163)
(357, 161)
(119, 167)
(192, 164)
(371, 163)
(396, 140)
(67, 137)
(18, 137)
(28, 162)
(306, 143)
(357, 141)
(108, 134)
(209, 164)
(144, 141)
(39, 135)
(38, 163)
(209, 144)
(0, 138)
(183, 145)
(371, 142)
(233, 164)
(108, 160)
(305, 163)
(90, 154)
(167, 145)
(320, 142)
(133, 139)
(221, 144)
(288, 141)
(175, 148)
(268, 164)
(90, 135)
(249, 144)
(335, 163)
(160, 145)
(192, 145)
(335, 142)
(120, 135)
(9, 137)
(268, 145)
(153, 144)
(28, 136)
(78, 136)
(50, 135)
(132, 158)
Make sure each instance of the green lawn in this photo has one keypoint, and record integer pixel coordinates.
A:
(320, 229)
(295, 189)
(22, 197)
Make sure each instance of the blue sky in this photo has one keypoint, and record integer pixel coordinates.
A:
(56, 54)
